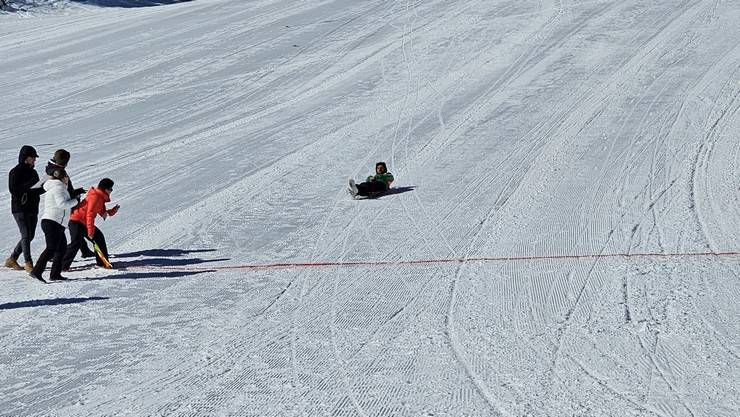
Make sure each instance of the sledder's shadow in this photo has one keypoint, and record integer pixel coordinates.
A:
(395, 190)
(145, 275)
(48, 302)
(130, 3)
(161, 253)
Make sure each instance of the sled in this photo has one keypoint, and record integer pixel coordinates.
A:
(99, 252)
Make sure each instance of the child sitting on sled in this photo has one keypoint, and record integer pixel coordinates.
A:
(374, 184)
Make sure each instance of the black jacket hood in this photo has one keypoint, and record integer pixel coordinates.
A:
(25, 152)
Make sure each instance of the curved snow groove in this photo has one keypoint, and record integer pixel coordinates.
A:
(449, 325)
(388, 339)
(721, 117)
(603, 193)
(603, 248)
(450, 329)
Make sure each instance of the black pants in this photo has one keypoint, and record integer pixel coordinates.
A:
(367, 188)
(56, 244)
(74, 229)
(27, 225)
(77, 233)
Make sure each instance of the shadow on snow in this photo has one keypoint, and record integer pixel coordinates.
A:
(394, 190)
(129, 3)
(48, 302)
(145, 275)
(26, 5)
(161, 253)
(165, 262)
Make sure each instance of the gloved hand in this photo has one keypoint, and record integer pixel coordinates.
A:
(114, 210)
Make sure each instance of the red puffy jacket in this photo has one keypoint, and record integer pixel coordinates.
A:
(90, 207)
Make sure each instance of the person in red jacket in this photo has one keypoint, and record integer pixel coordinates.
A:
(82, 221)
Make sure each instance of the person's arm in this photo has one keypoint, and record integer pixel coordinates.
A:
(38, 188)
(61, 198)
(113, 211)
(12, 182)
(75, 192)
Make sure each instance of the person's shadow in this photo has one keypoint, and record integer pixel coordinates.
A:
(145, 275)
(48, 302)
(160, 262)
(162, 258)
(161, 253)
(154, 263)
(394, 191)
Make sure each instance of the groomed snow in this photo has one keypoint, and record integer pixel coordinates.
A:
(535, 144)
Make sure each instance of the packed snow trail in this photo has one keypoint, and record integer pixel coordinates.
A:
(572, 137)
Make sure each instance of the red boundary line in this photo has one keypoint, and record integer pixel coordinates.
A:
(446, 261)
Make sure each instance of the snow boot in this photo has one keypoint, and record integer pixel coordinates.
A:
(12, 263)
(36, 276)
(353, 188)
(59, 278)
(28, 266)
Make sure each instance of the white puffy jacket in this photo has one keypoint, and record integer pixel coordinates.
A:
(57, 202)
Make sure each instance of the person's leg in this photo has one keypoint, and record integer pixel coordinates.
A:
(363, 189)
(17, 250)
(76, 236)
(84, 250)
(28, 232)
(21, 222)
(12, 261)
(82, 243)
(60, 249)
(99, 238)
(378, 187)
(48, 227)
(27, 226)
(367, 188)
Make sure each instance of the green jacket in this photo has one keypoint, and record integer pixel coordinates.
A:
(386, 178)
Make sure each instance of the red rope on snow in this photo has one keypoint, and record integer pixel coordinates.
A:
(294, 265)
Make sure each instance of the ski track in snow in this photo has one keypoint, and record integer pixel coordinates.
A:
(526, 129)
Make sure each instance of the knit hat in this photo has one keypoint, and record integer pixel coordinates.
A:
(105, 184)
(61, 157)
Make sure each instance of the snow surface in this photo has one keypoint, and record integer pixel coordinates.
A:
(520, 128)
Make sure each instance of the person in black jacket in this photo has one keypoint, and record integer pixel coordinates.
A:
(25, 190)
(59, 162)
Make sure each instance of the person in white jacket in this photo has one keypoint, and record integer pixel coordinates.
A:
(57, 207)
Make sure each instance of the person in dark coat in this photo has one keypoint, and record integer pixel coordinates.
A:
(25, 190)
(60, 160)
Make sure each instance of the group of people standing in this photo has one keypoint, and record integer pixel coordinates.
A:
(64, 207)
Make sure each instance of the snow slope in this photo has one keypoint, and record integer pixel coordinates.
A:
(551, 137)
